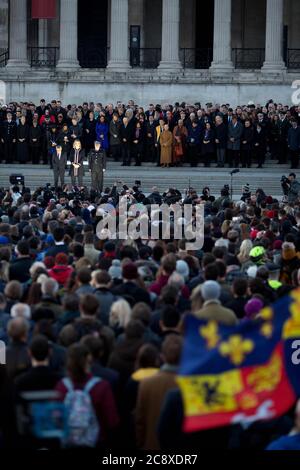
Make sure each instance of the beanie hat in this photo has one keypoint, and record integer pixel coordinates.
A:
(130, 271)
(115, 271)
(277, 245)
(210, 290)
(253, 306)
(183, 269)
(269, 200)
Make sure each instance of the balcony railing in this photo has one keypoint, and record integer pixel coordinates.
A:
(92, 58)
(196, 58)
(251, 59)
(147, 58)
(248, 58)
(293, 59)
(43, 56)
(3, 57)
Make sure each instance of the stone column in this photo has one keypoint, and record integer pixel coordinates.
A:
(18, 34)
(222, 62)
(68, 35)
(119, 47)
(170, 35)
(43, 32)
(274, 37)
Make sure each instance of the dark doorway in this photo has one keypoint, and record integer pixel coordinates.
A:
(204, 33)
(92, 33)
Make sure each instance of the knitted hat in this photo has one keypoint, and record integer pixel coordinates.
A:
(252, 307)
(130, 271)
(115, 271)
(183, 269)
(210, 290)
(277, 245)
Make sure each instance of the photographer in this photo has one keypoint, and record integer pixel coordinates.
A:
(290, 187)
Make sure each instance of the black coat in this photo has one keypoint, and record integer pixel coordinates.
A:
(126, 133)
(248, 137)
(19, 269)
(261, 139)
(90, 136)
(132, 293)
(221, 135)
(9, 131)
(59, 163)
(35, 133)
(210, 146)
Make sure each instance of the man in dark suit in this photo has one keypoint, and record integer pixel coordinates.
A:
(126, 139)
(59, 161)
(8, 138)
(235, 131)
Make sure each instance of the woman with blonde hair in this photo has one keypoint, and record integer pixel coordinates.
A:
(244, 252)
(119, 315)
(76, 158)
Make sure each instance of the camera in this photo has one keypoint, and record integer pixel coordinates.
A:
(285, 184)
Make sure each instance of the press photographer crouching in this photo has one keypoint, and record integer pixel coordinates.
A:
(290, 187)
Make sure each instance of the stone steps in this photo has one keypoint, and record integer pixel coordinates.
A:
(268, 178)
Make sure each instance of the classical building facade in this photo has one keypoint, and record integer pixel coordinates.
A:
(152, 50)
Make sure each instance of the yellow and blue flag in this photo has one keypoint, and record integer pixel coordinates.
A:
(240, 374)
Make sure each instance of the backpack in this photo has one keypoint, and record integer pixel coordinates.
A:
(82, 424)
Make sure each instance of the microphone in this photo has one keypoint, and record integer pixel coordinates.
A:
(233, 172)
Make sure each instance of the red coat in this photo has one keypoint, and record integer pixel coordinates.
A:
(61, 273)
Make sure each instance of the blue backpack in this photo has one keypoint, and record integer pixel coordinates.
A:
(82, 424)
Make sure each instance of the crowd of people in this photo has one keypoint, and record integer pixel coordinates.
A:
(100, 322)
(162, 134)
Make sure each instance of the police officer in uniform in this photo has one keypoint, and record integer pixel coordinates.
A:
(9, 138)
(97, 166)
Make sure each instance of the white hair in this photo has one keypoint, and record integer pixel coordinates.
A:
(35, 266)
(120, 313)
(21, 310)
(49, 286)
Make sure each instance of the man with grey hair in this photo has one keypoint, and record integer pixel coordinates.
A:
(49, 288)
(21, 310)
(97, 166)
(212, 309)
